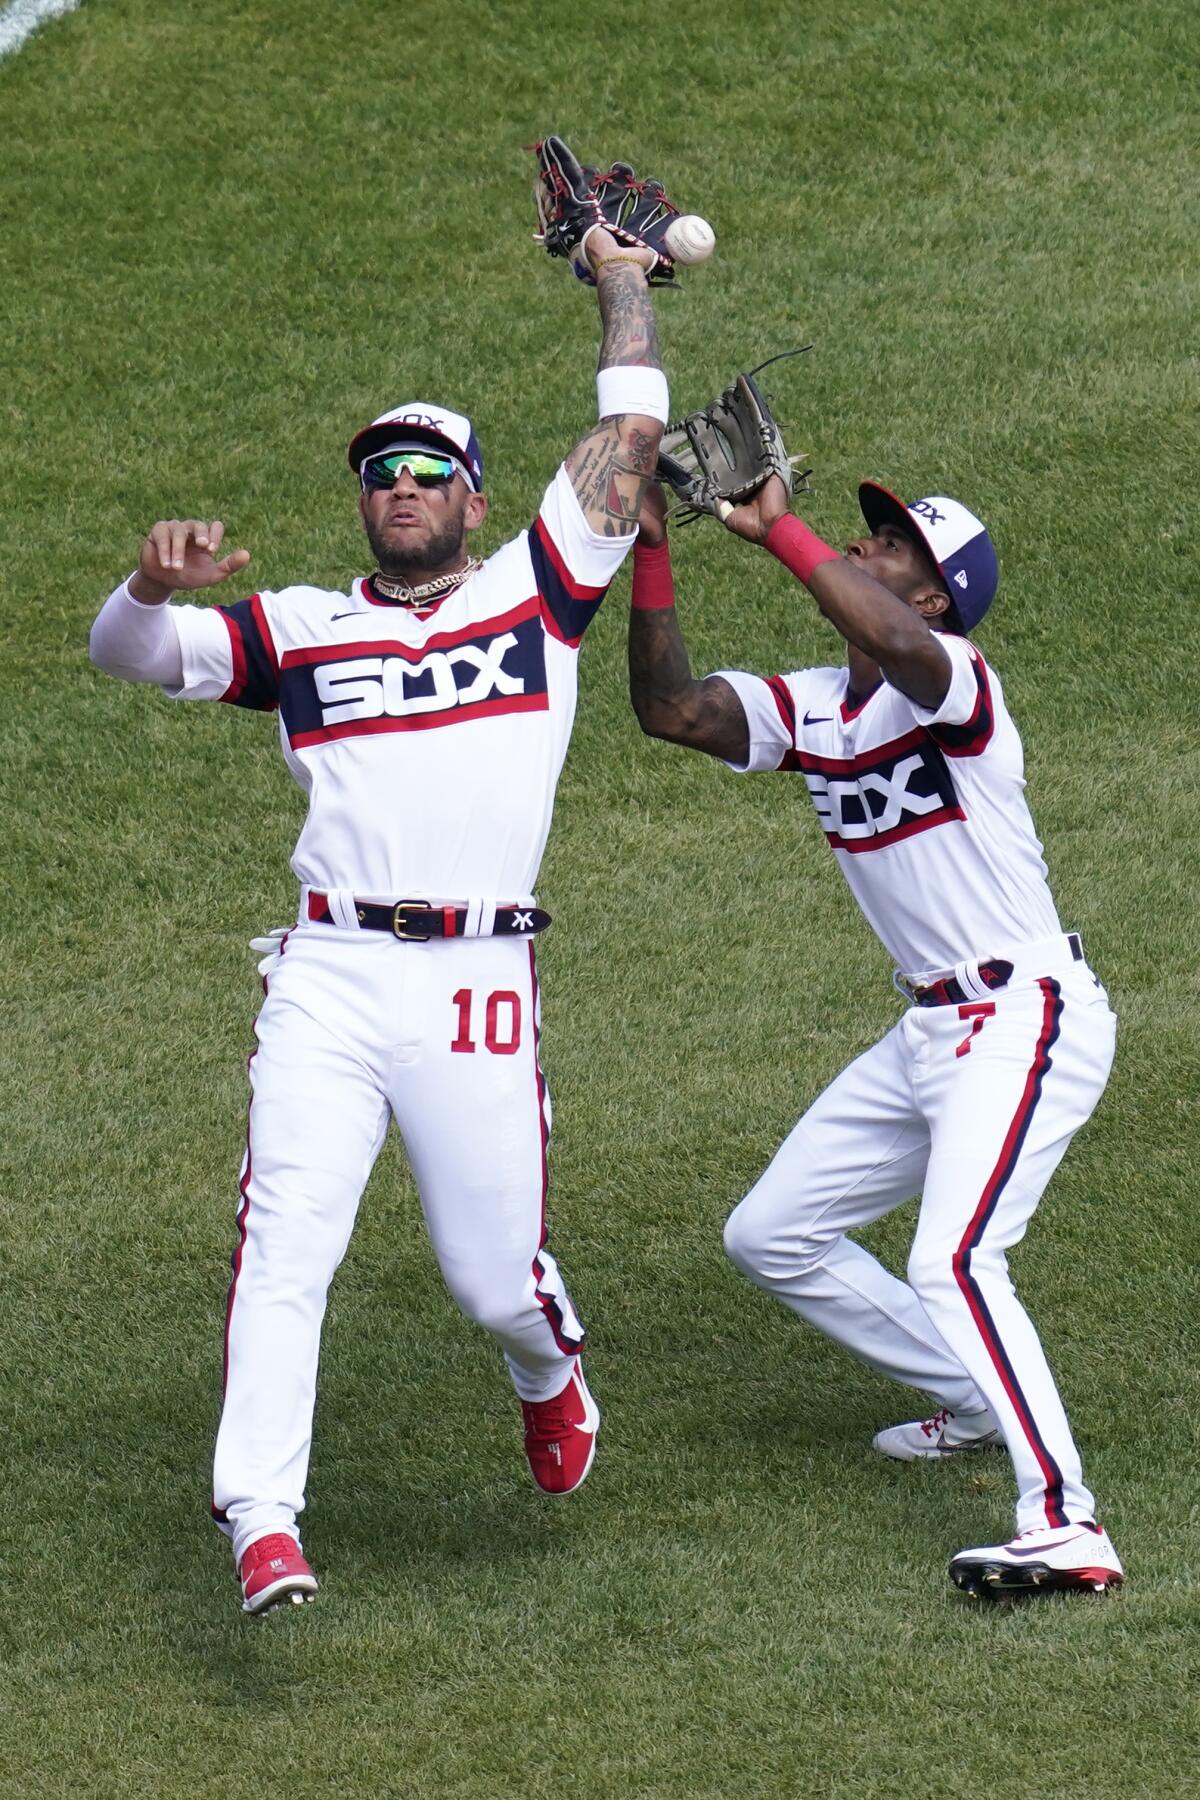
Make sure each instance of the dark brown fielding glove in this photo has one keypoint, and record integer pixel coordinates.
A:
(714, 459)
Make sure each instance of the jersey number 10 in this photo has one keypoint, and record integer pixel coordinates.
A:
(502, 1022)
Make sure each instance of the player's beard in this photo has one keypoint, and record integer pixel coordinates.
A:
(442, 550)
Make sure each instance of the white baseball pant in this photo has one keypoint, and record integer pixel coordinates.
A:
(358, 1028)
(973, 1107)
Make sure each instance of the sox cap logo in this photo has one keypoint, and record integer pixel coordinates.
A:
(953, 537)
(421, 422)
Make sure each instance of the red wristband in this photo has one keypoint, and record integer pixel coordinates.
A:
(653, 584)
(798, 548)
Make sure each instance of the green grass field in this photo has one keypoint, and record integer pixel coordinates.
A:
(229, 234)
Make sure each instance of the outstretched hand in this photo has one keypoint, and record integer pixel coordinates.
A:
(599, 244)
(182, 553)
(755, 517)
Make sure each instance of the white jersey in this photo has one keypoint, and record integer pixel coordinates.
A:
(924, 810)
(429, 741)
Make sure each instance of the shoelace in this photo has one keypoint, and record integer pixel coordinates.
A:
(940, 1418)
(546, 1420)
(267, 1548)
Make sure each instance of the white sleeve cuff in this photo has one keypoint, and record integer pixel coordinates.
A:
(628, 389)
(131, 597)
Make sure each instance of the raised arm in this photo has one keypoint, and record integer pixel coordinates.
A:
(133, 636)
(669, 702)
(612, 464)
(888, 634)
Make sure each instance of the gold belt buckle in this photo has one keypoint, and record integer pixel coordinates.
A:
(399, 930)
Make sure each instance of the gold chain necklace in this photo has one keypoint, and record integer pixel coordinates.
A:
(408, 595)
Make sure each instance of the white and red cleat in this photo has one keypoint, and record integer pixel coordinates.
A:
(560, 1436)
(946, 1434)
(1050, 1559)
(273, 1571)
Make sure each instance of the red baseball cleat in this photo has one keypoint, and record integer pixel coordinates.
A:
(560, 1436)
(272, 1571)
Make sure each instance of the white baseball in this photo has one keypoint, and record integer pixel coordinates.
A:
(690, 239)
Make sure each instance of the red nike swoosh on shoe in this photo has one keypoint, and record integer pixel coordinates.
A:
(1043, 1549)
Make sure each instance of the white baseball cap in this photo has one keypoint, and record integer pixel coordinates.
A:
(953, 538)
(424, 423)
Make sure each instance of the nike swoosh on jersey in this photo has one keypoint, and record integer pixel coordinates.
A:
(352, 614)
(820, 719)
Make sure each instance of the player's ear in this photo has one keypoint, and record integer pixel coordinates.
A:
(931, 602)
(475, 511)
(362, 505)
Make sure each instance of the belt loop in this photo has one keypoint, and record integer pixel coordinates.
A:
(471, 922)
(968, 978)
(487, 917)
(1076, 943)
(449, 921)
(342, 908)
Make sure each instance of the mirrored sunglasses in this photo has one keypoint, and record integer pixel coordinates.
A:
(427, 468)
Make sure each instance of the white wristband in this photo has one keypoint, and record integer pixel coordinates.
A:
(632, 390)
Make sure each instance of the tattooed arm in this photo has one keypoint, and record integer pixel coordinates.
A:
(613, 464)
(670, 703)
(668, 700)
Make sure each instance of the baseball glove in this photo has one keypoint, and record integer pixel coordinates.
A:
(717, 457)
(572, 198)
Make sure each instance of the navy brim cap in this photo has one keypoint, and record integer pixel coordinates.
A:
(955, 541)
(417, 422)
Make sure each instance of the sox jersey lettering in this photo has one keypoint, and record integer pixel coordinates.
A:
(924, 809)
(429, 742)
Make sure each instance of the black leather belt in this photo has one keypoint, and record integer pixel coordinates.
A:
(416, 921)
(949, 990)
(994, 974)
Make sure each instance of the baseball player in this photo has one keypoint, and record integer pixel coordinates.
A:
(916, 772)
(425, 713)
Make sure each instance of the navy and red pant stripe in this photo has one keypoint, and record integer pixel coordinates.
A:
(1001, 1175)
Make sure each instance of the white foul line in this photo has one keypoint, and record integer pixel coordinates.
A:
(20, 19)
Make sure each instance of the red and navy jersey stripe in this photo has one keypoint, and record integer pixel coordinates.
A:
(486, 667)
(789, 763)
(568, 605)
(882, 795)
(255, 681)
(1052, 1008)
(974, 736)
(781, 693)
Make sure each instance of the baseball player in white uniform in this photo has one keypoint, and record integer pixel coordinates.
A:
(916, 772)
(426, 714)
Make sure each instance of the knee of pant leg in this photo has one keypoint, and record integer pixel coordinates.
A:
(743, 1241)
(769, 1244)
(931, 1270)
(294, 1253)
(489, 1301)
